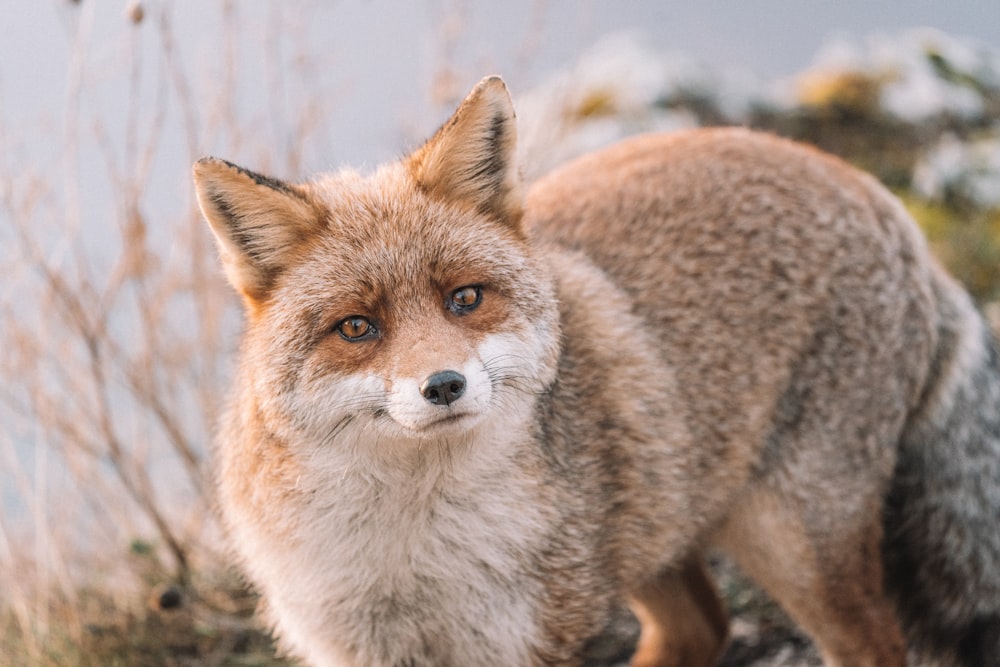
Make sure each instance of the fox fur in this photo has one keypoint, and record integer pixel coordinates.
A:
(473, 425)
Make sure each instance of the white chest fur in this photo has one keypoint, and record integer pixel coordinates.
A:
(428, 562)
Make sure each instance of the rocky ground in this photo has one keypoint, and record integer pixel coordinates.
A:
(761, 635)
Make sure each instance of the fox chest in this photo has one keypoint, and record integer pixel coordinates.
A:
(447, 578)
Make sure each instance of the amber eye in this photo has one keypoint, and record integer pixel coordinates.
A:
(465, 299)
(355, 328)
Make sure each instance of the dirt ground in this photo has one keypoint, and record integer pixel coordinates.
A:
(757, 643)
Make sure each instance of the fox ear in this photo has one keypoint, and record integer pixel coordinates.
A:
(256, 220)
(471, 158)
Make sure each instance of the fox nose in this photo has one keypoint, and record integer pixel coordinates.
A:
(443, 388)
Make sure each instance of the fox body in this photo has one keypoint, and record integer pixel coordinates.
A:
(472, 426)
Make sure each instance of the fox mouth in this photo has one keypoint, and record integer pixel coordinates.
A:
(436, 423)
(444, 423)
(446, 420)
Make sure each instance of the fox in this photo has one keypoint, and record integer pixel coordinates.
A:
(479, 422)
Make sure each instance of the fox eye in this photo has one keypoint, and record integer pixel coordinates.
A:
(355, 328)
(465, 299)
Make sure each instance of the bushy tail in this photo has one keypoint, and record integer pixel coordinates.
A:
(942, 517)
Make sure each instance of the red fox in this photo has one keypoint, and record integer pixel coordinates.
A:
(473, 425)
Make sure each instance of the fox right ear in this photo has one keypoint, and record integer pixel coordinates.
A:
(471, 158)
(256, 221)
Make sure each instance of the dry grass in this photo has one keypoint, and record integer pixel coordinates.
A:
(117, 331)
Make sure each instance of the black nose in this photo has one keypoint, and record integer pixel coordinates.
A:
(443, 388)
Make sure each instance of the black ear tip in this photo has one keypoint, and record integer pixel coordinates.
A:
(207, 164)
(494, 88)
(208, 168)
(211, 162)
(493, 81)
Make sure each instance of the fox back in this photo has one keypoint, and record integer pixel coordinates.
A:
(474, 427)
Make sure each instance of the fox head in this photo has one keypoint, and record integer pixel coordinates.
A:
(406, 305)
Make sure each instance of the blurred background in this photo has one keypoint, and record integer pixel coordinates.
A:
(117, 331)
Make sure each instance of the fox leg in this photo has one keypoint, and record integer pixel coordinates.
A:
(828, 578)
(683, 621)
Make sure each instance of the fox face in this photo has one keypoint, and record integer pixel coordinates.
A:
(399, 307)
(416, 328)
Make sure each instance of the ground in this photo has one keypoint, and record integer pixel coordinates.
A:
(761, 634)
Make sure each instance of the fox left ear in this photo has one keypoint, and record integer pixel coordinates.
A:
(471, 158)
